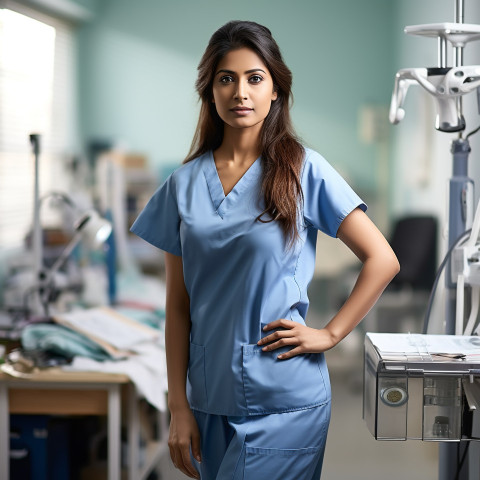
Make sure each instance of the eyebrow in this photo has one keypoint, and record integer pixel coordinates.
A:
(248, 71)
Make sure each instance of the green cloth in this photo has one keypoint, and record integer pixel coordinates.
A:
(62, 341)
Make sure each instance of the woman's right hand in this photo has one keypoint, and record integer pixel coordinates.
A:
(183, 434)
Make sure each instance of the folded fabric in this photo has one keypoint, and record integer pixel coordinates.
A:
(62, 341)
(147, 370)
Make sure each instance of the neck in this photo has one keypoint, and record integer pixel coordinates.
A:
(241, 143)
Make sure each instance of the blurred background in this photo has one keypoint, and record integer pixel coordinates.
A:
(108, 85)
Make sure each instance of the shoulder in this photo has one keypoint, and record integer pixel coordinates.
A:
(315, 165)
(186, 169)
(319, 173)
(313, 159)
(187, 172)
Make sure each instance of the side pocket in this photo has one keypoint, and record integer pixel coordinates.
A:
(277, 464)
(273, 386)
(196, 381)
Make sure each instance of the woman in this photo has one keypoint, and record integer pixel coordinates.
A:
(249, 392)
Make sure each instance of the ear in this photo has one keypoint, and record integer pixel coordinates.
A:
(274, 95)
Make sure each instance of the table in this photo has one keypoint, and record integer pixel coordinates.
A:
(55, 392)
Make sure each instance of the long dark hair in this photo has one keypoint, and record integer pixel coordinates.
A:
(282, 153)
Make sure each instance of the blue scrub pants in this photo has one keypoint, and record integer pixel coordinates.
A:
(281, 446)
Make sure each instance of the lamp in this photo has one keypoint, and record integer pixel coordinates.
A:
(90, 228)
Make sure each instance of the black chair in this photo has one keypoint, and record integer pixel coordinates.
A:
(414, 241)
(402, 306)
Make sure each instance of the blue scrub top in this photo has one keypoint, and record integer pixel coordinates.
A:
(240, 275)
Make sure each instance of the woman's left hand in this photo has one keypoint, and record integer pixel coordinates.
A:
(301, 338)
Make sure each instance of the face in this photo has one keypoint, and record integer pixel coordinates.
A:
(243, 89)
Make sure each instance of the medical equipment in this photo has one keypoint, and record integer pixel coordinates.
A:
(31, 290)
(91, 229)
(465, 270)
(446, 84)
(428, 386)
(424, 387)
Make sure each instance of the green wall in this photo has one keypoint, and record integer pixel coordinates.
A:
(137, 66)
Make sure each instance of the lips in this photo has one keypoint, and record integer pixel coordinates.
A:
(241, 109)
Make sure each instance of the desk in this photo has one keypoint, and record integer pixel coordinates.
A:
(54, 392)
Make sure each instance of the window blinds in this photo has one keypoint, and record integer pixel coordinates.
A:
(37, 95)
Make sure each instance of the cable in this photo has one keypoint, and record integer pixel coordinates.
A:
(437, 278)
(472, 319)
(472, 132)
(459, 315)
(475, 228)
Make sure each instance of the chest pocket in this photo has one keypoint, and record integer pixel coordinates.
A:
(273, 386)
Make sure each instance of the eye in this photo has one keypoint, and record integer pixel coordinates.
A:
(226, 79)
(255, 79)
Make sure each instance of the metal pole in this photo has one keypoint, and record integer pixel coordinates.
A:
(459, 217)
(4, 432)
(37, 241)
(114, 429)
(37, 233)
(459, 11)
(449, 454)
(442, 52)
(458, 51)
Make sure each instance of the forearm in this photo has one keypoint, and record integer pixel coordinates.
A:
(177, 341)
(177, 332)
(376, 274)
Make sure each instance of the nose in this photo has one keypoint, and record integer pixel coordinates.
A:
(241, 91)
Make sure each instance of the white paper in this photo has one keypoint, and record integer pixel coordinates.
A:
(109, 326)
(398, 343)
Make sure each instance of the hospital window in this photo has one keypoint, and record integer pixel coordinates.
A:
(37, 95)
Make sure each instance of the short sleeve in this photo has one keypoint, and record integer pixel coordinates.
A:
(159, 221)
(328, 198)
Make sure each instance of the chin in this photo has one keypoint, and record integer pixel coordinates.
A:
(244, 123)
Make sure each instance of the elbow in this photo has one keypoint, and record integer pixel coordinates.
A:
(393, 266)
(385, 261)
(387, 266)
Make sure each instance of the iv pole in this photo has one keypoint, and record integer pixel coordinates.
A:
(460, 195)
(461, 186)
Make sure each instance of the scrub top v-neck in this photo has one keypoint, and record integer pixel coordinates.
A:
(240, 274)
(222, 202)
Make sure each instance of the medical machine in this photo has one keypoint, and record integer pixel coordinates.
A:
(446, 84)
(421, 386)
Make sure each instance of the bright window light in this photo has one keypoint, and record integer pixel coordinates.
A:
(31, 76)
(27, 54)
